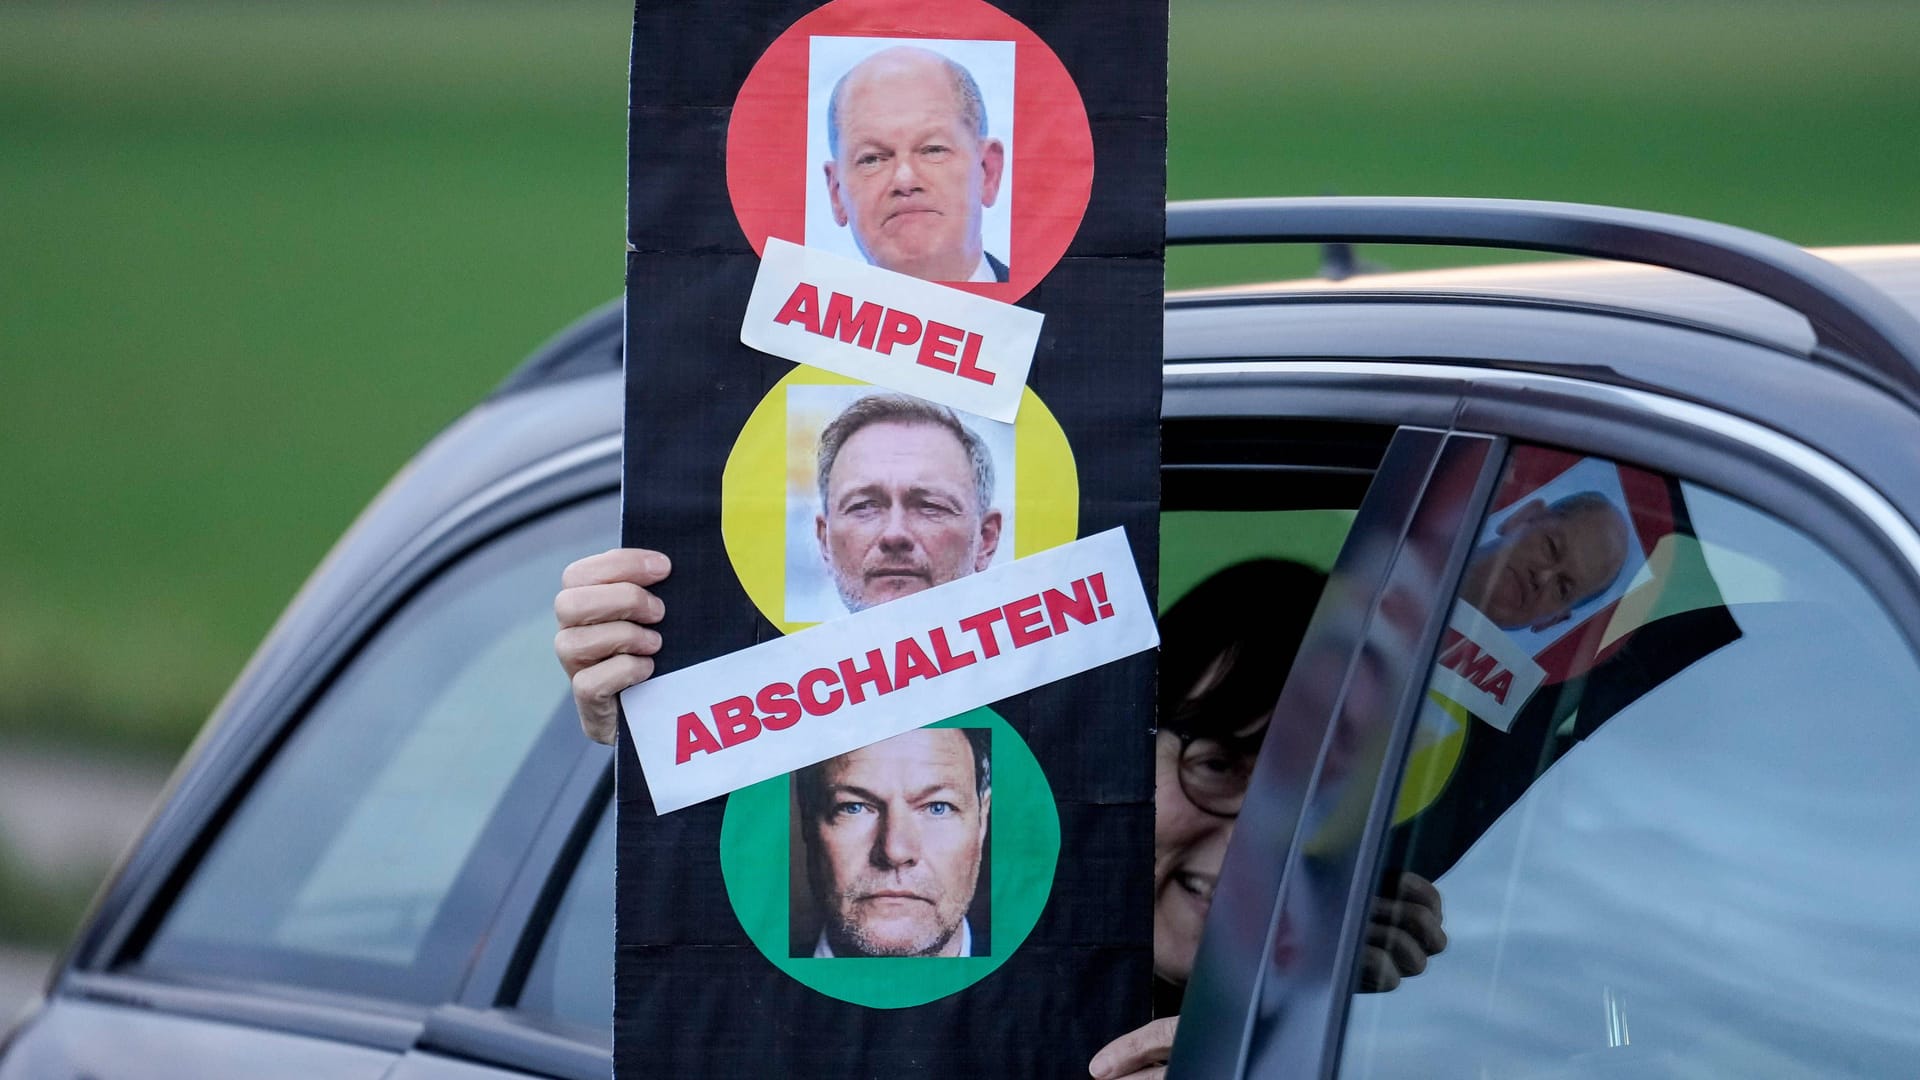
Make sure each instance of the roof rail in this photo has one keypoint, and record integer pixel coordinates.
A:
(1856, 327)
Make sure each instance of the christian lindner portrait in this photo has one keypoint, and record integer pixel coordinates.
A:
(892, 851)
(887, 495)
(909, 144)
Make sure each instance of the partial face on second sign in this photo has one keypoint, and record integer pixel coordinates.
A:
(894, 834)
(1545, 560)
(901, 507)
(913, 166)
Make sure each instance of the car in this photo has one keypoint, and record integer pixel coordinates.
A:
(389, 853)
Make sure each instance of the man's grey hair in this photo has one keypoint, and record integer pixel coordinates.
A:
(904, 409)
(966, 95)
(1581, 502)
(810, 783)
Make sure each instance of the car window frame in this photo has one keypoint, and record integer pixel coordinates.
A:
(1404, 548)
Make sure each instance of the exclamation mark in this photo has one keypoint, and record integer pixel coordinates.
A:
(1099, 583)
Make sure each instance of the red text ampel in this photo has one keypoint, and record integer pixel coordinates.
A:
(884, 329)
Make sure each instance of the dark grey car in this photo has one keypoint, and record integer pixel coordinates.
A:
(389, 854)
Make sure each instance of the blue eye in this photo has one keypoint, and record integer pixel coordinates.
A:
(850, 809)
(942, 809)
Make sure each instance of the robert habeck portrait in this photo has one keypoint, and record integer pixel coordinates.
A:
(906, 499)
(912, 165)
(893, 835)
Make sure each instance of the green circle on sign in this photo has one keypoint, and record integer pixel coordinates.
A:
(1023, 829)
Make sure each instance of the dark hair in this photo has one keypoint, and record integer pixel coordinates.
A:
(903, 409)
(810, 782)
(1236, 633)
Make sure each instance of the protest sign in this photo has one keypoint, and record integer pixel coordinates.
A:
(892, 409)
(844, 684)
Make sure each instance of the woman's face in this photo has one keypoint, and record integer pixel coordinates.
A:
(1189, 845)
(1189, 841)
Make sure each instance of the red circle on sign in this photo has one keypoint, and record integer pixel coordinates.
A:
(768, 166)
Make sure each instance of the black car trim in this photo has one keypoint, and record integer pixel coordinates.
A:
(378, 1024)
(1217, 1022)
(1857, 326)
(1301, 1020)
(510, 1042)
(500, 973)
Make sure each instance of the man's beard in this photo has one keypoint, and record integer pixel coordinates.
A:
(852, 588)
(848, 939)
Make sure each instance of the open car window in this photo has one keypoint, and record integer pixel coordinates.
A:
(1661, 782)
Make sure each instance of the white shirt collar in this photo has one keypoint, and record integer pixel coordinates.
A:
(824, 951)
(983, 272)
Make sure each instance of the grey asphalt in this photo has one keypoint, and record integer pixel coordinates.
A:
(64, 818)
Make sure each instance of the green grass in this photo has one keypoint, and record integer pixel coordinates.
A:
(252, 256)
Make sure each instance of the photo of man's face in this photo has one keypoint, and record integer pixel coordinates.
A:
(915, 154)
(1544, 560)
(905, 493)
(894, 835)
(901, 514)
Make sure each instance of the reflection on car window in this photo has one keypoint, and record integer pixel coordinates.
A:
(572, 974)
(341, 863)
(1670, 844)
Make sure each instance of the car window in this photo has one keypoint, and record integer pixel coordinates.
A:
(571, 979)
(342, 868)
(1663, 786)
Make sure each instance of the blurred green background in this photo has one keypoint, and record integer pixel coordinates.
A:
(253, 255)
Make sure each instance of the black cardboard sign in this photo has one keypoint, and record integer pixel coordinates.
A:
(1030, 855)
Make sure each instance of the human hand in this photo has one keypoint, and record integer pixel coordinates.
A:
(1140, 1054)
(602, 604)
(1403, 929)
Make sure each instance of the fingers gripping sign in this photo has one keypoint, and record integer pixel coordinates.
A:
(1140, 1054)
(606, 642)
(1403, 930)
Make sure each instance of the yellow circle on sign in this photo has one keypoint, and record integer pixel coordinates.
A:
(768, 493)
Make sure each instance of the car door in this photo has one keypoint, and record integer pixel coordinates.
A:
(1671, 856)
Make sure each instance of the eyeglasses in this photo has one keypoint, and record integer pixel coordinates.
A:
(1214, 772)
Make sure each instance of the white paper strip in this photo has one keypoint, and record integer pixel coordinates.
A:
(760, 712)
(926, 339)
(1483, 669)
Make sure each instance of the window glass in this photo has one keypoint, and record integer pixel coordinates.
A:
(340, 866)
(1663, 785)
(572, 974)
